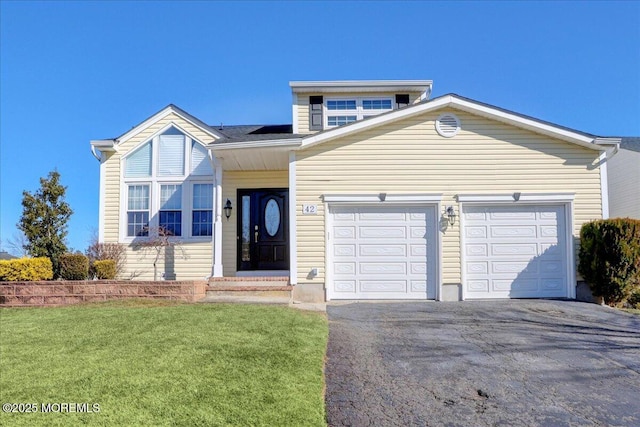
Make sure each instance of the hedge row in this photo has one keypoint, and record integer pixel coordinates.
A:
(72, 267)
(610, 259)
(24, 269)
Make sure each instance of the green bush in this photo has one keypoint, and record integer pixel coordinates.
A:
(23, 269)
(610, 258)
(104, 269)
(74, 267)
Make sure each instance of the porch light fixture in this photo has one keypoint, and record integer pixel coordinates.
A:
(227, 209)
(451, 214)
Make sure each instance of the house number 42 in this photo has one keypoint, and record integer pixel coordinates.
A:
(309, 209)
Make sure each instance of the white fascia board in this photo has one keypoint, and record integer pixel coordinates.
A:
(463, 105)
(360, 86)
(378, 198)
(525, 123)
(286, 143)
(103, 144)
(162, 114)
(524, 197)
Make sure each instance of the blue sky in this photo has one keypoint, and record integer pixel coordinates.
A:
(76, 71)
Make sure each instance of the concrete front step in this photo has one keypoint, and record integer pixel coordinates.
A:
(248, 281)
(249, 294)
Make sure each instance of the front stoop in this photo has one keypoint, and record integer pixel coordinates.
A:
(255, 290)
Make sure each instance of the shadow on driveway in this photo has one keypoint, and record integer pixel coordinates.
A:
(482, 363)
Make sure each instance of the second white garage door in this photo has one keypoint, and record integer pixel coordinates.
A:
(382, 252)
(515, 251)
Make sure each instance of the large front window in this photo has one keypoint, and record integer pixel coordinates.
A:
(169, 183)
(170, 214)
(138, 210)
(202, 221)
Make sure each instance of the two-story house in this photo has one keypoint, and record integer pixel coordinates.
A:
(375, 191)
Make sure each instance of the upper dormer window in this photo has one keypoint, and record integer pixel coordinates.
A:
(342, 111)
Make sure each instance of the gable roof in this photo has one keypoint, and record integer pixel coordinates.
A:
(109, 144)
(458, 102)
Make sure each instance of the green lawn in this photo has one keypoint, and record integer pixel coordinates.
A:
(159, 363)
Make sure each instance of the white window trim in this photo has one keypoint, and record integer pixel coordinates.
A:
(359, 111)
(155, 182)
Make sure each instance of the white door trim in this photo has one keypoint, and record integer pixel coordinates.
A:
(530, 199)
(428, 201)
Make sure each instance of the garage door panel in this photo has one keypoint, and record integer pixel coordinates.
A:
(345, 268)
(511, 215)
(516, 287)
(476, 232)
(381, 216)
(383, 268)
(501, 267)
(345, 232)
(419, 250)
(344, 286)
(514, 249)
(418, 286)
(383, 232)
(520, 254)
(477, 250)
(383, 252)
(510, 231)
(390, 286)
(478, 267)
(478, 286)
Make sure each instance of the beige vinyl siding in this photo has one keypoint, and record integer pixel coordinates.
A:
(303, 103)
(231, 182)
(112, 198)
(150, 131)
(409, 157)
(186, 260)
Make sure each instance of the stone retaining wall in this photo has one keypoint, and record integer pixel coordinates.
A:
(55, 293)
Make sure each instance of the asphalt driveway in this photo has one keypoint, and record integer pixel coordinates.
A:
(494, 363)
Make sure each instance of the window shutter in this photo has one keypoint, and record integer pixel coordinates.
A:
(138, 163)
(315, 112)
(200, 164)
(171, 155)
(402, 100)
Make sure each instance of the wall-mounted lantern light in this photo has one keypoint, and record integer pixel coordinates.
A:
(451, 214)
(227, 209)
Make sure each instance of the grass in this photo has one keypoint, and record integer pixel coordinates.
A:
(160, 363)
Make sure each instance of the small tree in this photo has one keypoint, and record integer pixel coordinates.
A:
(44, 220)
(161, 242)
(107, 251)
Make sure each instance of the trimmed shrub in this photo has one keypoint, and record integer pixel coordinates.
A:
(610, 258)
(24, 269)
(104, 269)
(74, 267)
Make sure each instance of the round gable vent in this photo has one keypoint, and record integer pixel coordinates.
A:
(448, 125)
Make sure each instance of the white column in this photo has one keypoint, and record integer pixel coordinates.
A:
(217, 225)
(293, 237)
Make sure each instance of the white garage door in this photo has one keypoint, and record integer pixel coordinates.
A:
(382, 252)
(515, 252)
